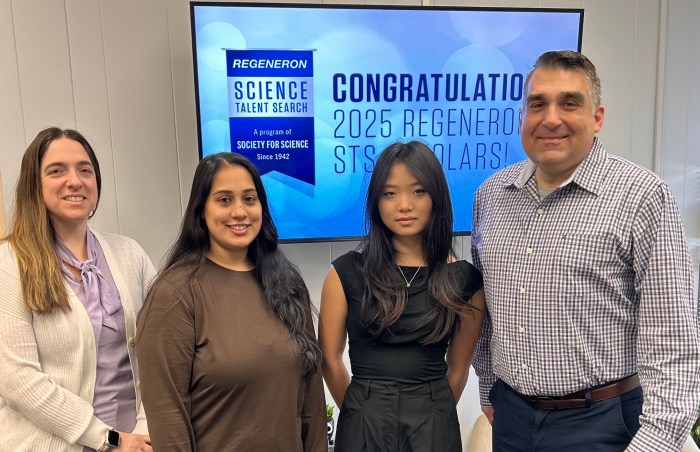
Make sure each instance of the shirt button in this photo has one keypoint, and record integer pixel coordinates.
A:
(528, 250)
(521, 329)
(540, 211)
(522, 290)
(132, 341)
(523, 366)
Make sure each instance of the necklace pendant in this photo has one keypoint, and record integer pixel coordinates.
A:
(408, 281)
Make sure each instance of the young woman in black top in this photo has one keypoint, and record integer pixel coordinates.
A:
(412, 314)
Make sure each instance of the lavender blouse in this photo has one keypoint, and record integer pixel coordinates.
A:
(115, 396)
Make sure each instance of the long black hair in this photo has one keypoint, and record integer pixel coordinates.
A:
(385, 295)
(282, 284)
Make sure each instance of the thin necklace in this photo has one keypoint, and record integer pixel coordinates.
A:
(408, 283)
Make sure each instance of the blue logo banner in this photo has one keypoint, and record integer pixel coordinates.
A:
(271, 114)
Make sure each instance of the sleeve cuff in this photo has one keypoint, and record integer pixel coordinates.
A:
(647, 440)
(94, 435)
(485, 385)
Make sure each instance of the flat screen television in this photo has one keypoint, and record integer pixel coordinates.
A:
(313, 93)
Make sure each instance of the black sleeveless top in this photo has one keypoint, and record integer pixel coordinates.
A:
(399, 356)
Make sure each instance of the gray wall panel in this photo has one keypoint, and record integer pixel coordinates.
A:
(11, 115)
(140, 92)
(89, 80)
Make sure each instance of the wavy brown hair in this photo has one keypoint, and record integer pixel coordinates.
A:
(31, 234)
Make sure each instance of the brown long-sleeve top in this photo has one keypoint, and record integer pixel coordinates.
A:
(219, 372)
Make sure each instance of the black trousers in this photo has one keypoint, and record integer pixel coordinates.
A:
(605, 426)
(386, 416)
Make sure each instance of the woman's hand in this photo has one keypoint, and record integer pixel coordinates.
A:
(131, 442)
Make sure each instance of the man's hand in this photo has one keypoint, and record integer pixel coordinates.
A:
(488, 412)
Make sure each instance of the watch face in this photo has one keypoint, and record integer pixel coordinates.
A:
(113, 438)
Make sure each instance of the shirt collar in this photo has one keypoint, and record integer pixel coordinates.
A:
(588, 175)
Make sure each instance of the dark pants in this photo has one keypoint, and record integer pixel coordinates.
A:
(606, 426)
(386, 416)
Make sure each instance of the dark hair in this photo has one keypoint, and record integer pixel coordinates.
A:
(282, 284)
(570, 60)
(384, 299)
(31, 233)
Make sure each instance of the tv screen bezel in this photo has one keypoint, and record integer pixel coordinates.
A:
(194, 4)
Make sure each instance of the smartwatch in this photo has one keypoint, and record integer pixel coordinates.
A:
(112, 441)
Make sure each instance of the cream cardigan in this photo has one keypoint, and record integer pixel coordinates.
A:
(47, 361)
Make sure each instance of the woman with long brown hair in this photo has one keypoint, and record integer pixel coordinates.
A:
(69, 297)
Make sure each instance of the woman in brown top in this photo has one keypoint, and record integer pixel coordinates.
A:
(228, 356)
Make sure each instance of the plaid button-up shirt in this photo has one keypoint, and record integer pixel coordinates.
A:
(589, 285)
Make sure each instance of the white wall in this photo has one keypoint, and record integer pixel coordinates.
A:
(678, 120)
(104, 68)
(121, 72)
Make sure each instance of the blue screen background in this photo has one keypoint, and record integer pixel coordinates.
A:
(348, 135)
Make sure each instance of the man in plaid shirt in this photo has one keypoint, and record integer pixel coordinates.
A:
(591, 342)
